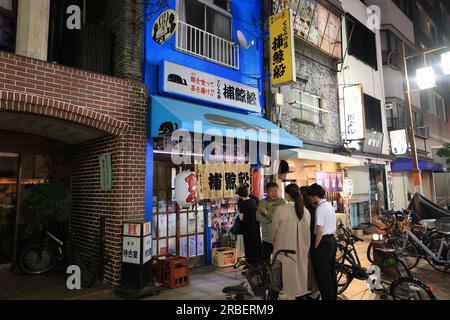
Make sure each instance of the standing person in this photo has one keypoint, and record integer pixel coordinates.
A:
(312, 283)
(250, 226)
(290, 230)
(325, 246)
(264, 216)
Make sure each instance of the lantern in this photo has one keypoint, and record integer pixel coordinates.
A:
(185, 188)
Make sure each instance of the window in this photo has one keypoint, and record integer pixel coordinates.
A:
(434, 104)
(315, 24)
(372, 110)
(362, 42)
(404, 6)
(307, 109)
(396, 117)
(8, 20)
(389, 45)
(205, 31)
(213, 16)
(88, 48)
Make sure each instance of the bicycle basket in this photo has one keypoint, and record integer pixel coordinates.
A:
(443, 225)
(258, 279)
(277, 276)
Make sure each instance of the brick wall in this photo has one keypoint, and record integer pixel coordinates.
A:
(43, 85)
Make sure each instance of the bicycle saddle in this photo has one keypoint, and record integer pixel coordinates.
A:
(237, 290)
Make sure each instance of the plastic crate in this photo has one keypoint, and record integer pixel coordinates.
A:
(176, 277)
(175, 272)
(224, 257)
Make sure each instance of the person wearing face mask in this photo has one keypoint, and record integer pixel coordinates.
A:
(291, 231)
(323, 254)
(264, 216)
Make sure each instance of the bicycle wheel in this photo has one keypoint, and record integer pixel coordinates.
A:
(38, 259)
(434, 243)
(409, 253)
(343, 278)
(410, 289)
(370, 253)
(86, 261)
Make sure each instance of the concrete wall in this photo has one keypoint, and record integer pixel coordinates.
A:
(322, 82)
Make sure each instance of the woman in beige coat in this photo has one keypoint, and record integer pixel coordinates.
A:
(291, 230)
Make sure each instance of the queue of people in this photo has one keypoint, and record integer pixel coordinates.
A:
(305, 222)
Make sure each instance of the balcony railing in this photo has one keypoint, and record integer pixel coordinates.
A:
(305, 113)
(197, 42)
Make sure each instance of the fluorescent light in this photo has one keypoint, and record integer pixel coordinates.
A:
(445, 62)
(426, 78)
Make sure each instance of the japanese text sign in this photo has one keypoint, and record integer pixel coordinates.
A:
(197, 85)
(354, 113)
(282, 54)
(217, 181)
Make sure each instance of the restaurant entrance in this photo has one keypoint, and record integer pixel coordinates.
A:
(25, 162)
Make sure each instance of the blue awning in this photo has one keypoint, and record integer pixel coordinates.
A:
(171, 114)
(405, 164)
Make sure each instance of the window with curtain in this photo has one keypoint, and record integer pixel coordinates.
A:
(8, 22)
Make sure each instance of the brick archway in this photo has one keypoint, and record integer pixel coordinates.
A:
(53, 108)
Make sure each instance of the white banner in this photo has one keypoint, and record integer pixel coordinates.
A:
(194, 84)
(354, 113)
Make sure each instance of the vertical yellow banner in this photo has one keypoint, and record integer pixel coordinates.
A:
(282, 52)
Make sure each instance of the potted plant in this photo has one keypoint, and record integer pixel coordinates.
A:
(44, 202)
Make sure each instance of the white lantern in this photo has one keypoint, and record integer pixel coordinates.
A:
(186, 188)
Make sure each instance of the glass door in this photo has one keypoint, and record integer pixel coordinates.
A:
(9, 174)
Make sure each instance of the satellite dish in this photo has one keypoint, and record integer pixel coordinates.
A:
(243, 41)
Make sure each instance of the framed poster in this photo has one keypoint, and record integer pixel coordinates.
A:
(192, 223)
(184, 246)
(183, 223)
(200, 222)
(162, 249)
(162, 225)
(172, 224)
(192, 246)
(173, 246)
(200, 245)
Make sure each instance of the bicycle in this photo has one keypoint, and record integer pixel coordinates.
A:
(403, 286)
(435, 247)
(391, 237)
(264, 279)
(42, 257)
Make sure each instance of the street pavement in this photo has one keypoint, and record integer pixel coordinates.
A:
(206, 283)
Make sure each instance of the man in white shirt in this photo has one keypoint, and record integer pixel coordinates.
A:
(323, 254)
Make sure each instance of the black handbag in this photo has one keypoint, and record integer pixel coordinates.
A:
(237, 226)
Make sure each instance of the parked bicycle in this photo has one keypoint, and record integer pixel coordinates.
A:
(436, 246)
(391, 237)
(263, 278)
(401, 286)
(43, 256)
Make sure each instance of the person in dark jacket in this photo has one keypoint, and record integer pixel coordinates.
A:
(250, 226)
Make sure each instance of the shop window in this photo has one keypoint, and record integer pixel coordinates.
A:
(176, 230)
(8, 23)
(362, 42)
(372, 110)
(89, 48)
